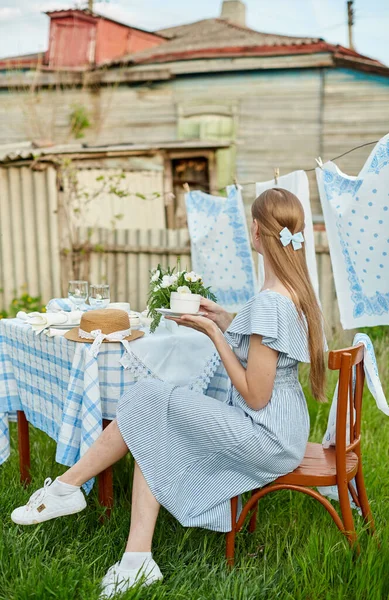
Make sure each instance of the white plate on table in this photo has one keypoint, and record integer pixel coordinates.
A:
(68, 326)
(168, 312)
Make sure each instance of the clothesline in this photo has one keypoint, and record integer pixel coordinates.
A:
(246, 183)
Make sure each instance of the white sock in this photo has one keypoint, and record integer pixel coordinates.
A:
(59, 488)
(134, 560)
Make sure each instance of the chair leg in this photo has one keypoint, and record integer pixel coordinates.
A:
(363, 499)
(24, 448)
(230, 536)
(105, 480)
(347, 515)
(253, 518)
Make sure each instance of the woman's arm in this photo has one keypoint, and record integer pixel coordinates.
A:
(255, 384)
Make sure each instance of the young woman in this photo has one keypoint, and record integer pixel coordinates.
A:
(194, 453)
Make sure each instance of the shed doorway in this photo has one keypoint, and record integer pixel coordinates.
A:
(192, 170)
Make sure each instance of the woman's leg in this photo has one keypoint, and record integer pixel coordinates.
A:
(144, 513)
(106, 451)
(137, 563)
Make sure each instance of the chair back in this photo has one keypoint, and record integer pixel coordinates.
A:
(350, 393)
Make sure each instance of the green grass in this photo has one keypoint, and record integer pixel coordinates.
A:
(296, 553)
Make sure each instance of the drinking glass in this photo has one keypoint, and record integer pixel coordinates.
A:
(99, 296)
(78, 292)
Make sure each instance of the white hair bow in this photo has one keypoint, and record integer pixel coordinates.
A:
(286, 236)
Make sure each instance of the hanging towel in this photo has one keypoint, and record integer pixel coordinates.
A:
(297, 183)
(220, 245)
(375, 388)
(356, 213)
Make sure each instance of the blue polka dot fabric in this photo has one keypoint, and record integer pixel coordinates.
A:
(356, 214)
(220, 246)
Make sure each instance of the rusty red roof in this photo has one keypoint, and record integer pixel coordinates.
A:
(24, 61)
(217, 38)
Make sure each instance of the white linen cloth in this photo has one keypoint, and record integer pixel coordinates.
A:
(356, 213)
(297, 183)
(165, 355)
(375, 388)
(220, 245)
(41, 321)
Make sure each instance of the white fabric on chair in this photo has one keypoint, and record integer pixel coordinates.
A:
(297, 183)
(375, 388)
(356, 213)
(220, 244)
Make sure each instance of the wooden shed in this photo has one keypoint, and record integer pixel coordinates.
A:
(271, 100)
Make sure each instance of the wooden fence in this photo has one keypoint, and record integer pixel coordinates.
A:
(124, 260)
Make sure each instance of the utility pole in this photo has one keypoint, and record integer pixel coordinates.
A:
(90, 5)
(350, 22)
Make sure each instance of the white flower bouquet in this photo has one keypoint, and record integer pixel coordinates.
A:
(165, 281)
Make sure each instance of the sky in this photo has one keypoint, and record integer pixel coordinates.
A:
(24, 29)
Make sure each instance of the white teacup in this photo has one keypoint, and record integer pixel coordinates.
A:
(187, 304)
(120, 306)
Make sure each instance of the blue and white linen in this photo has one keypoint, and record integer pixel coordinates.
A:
(356, 213)
(297, 183)
(64, 304)
(375, 388)
(220, 244)
(66, 392)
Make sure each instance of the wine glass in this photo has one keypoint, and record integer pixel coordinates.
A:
(78, 292)
(99, 296)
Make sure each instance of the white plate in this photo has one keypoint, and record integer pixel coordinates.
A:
(168, 312)
(64, 326)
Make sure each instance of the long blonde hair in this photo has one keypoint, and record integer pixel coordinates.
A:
(275, 209)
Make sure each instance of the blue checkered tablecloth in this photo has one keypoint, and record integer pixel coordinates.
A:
(64, 391)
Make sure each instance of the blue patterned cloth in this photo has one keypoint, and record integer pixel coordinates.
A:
(64, 391)
(376, 390)
(220, 246)
(356, 213)
(64, 304)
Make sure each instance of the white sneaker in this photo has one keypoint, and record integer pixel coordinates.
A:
(46, 504)
(118, 580)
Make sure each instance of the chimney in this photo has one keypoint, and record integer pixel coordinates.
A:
(234, 11)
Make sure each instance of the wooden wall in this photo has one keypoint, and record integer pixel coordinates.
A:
(282, 118)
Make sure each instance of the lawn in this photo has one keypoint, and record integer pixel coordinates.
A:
(296, 552)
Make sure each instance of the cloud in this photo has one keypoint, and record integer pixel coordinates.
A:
(8, 13)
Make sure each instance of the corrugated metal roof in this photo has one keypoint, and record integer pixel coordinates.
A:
(211, 33)
(29, 151)
(217, 38)
(225, 31)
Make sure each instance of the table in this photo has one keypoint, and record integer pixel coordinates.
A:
(58, 387)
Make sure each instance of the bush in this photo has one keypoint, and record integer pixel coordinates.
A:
(23, 302)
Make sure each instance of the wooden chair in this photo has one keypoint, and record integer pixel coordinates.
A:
(325, 467)
(105, 481)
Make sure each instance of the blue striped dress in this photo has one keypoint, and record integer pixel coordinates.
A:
(197, 452)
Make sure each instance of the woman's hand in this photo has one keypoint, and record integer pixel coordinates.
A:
(202, 324)
(216, 313)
